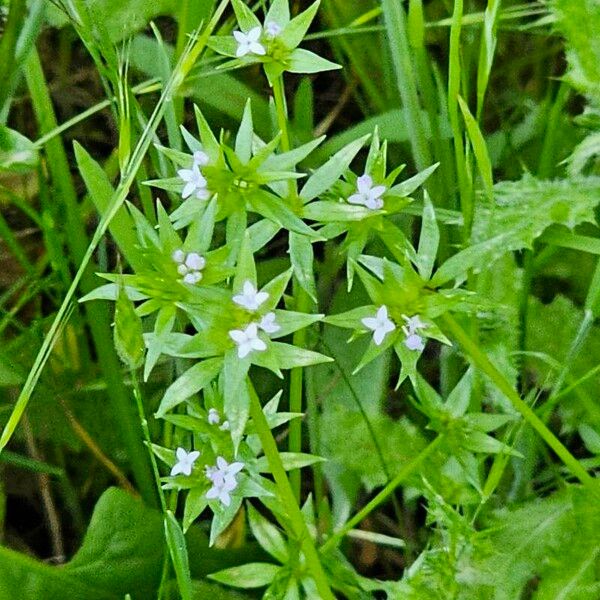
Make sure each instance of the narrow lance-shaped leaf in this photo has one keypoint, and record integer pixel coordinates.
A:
(179, 557)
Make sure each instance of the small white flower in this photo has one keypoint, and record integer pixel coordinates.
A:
(185, 462)
(201, 159)
(214, 418)
(195, 183)
(366, 194)
(414, 323)
(268, 323)
(250, 298)
(247, 340)
(223, 479)
(226, 426)
(380, 324)
(248, 42)
(272, 29)
(178, 256)
(195, 262)
(413, 341)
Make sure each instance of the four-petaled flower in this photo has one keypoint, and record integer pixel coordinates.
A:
(380, 324)
(413, 340)
(223, 480)
(366, 194)
(250, 298)
(185, 462)
(247, 340)
(189, 265)
(268, 323)
(272, 29)
(248, 42)
(195, 183)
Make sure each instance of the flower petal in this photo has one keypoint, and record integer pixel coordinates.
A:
(370, 322)
(257, 48)
(238, 336)
(357, 199)
(364, 183)
(254, 34)
(242, 50)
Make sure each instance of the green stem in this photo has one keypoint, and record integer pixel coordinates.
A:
(382, 496)
(287, 497)
(302, 300)
(282, 116)
(137, 394)
(484, 364)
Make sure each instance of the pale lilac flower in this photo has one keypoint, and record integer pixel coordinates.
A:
(214, 418)
(226, 426)
(223, 478)
(413, 341)
(185, 462)
(268, 323)
(272, 29)
(414, 323)
(247, 340)
(195, 183)
(366, 194)
(189, 266)
(380, 324)
(201, 159)
(250, 298)
(195, 262)
(248, 42)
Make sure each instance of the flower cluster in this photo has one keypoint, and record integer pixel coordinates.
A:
(381, 325)
(189, 265)
(223, 479)
(413, 340)
(247, 338)
(214, 418)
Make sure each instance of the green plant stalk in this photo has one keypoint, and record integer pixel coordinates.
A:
(481, 361)
(288, 498)
(382, 496)
(395, 21)
(127, 179)
(302, 300)
(137, 394)
(97, 315)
